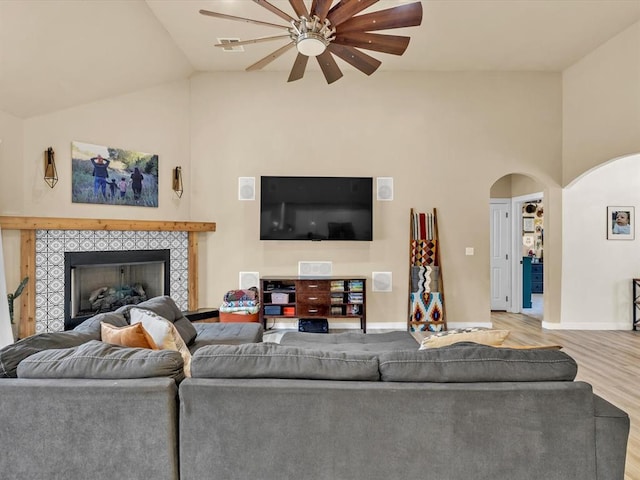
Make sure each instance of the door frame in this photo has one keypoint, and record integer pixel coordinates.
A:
(516, 264)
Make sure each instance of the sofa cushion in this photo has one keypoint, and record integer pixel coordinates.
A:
(351, 341)
(128, 336)
(270, 360)
(164, 334)
(166, 308)
(484, 336)
(226, 334)
(472, 362)
(97, 359)
(92, 325)
(12, 355)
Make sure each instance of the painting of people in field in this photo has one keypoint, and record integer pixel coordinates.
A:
(113, 176)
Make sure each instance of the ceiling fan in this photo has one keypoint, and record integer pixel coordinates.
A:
(324, 30)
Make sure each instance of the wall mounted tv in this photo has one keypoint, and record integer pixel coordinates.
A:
(316, 208)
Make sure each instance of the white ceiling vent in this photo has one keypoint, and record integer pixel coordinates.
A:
(229, 42)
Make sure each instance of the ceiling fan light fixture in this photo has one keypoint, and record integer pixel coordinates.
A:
(311, 44)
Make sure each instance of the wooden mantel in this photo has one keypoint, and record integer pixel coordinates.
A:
(28, 226)
(52, 223)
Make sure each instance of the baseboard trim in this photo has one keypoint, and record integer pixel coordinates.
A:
(586, 326)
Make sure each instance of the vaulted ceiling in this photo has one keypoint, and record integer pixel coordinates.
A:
(56, 54)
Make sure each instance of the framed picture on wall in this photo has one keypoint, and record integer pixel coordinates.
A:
(528, 225)
(113, 176)
(620, 223)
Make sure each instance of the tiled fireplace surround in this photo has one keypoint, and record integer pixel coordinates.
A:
(51, 246)
(43, 241)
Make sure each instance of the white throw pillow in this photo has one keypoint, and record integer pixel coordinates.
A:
(164, 334)
(484, 336)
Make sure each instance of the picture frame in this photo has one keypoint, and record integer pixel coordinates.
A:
(620, 223)
(528, 225)
(107, 175)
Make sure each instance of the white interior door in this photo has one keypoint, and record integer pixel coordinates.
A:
(500, 256)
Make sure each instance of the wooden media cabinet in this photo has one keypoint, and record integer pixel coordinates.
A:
(309, 297)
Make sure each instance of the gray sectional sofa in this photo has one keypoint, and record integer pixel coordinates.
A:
(334, 407)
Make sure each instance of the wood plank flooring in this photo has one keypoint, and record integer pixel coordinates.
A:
(608, 360)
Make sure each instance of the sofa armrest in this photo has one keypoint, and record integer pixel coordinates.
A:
(612, 432)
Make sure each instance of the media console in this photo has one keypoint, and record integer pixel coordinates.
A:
(308, 297)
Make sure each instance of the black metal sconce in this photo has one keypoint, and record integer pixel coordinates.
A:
(50, 171)
(177, 181)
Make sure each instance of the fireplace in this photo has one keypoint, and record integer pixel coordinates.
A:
(103, 281)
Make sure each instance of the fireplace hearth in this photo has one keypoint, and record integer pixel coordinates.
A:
(103, 281)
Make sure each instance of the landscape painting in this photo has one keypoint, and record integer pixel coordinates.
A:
(113, 176)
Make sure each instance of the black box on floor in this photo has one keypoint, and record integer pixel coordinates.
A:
(313, 325)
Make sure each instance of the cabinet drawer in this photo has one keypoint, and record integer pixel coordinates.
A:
(310, 286)
(314, 299)
(313, 310)
(537, 277)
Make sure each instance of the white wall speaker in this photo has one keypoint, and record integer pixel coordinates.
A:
(384, 189)
(315, 269)
(246, 188)
(246, 280)
(382, 281)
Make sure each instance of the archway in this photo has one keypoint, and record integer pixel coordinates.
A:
(517, 245)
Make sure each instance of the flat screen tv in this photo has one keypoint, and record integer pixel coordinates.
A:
(316, 208)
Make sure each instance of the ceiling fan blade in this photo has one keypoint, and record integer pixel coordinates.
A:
(329, 67)
(360, 60)
(299, 66)
(241, 19)
(285, 16)
(393, 44)
(253, 40)
(408, 15)
(300, 8)
(343, 11)
(270, 58)
(321, 8)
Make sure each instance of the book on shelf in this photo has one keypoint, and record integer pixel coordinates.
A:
(356, 297)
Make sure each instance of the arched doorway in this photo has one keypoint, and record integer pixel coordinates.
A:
(517, 245)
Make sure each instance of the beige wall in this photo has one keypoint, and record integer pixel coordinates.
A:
(515, 185)
(601, 105)
(154, 120)
(11, 145)
(444, 137)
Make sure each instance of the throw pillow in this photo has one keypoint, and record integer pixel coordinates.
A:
(128, 336)
(166, 308)
(483, 336)
(164, 334)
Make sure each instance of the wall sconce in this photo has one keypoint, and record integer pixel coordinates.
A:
(50, 171)
(177, 181)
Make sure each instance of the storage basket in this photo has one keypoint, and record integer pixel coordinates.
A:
(272, 310)
(229, 317)
(280, 298)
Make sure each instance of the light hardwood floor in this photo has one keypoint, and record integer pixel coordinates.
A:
(608, 360)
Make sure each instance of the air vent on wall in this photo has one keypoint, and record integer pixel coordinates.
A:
(228, 45)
